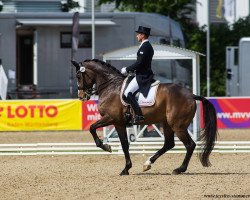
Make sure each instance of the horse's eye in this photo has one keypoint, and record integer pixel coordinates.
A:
(78, 75)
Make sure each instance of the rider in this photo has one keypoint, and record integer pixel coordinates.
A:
(144, 75)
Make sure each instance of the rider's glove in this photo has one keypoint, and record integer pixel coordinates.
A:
(124, 71)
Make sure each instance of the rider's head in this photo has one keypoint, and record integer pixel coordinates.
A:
(140, 37)
(142, 33)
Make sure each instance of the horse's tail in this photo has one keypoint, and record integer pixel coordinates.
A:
(209, 133)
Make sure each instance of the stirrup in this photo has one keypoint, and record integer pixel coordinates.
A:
(138, 119)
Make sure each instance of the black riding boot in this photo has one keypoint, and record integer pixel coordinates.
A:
(138, 114)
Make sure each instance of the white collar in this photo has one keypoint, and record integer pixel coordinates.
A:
(143, 42)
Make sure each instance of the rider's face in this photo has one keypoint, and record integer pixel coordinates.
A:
(139, 37)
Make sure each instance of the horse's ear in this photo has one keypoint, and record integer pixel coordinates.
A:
(76, 64)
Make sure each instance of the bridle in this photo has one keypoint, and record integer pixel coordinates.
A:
(89, 91)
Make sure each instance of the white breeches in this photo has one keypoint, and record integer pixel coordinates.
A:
(132, 87)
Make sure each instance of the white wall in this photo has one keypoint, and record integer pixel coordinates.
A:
(242, 10)
(201, 12)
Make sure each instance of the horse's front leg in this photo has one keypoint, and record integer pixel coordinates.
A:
(104, 121)
(122, 133)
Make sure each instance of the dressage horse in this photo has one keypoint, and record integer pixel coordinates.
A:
(174, 108)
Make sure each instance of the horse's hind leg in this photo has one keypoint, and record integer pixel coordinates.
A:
(122, 133)
(168, 144)
(190, 146)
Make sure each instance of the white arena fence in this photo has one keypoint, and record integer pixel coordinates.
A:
(135, 148)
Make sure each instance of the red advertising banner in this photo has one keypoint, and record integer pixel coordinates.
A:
(232, 112)
(90, 113)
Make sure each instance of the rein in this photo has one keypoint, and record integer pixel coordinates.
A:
(89, 91)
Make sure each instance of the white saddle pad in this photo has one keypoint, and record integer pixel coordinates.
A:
(142, 101)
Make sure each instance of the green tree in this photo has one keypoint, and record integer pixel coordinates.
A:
(176, 9)
(179, 10)
(221, 35)
(218, 43)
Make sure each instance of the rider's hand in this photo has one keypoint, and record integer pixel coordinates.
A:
(124, 71)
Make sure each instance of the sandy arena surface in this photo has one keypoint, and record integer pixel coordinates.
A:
(96, 176)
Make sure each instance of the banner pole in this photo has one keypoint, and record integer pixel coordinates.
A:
(93, 28)
(74, 47)
(208, 49)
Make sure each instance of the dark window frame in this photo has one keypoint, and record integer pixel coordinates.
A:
(69, 44)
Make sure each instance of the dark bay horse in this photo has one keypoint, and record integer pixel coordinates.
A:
(175, 108)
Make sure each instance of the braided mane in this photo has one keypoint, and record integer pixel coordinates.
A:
(107, 65)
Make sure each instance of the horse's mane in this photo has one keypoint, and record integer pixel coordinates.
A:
(107, 65)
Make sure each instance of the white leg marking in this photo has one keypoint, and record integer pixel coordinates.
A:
(147, 165)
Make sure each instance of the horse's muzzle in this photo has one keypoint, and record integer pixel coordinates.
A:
(84, 99)
(83, 96)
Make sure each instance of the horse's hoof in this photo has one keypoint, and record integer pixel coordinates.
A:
(124, 173)
(176, 172)
(107, 147)
(179, 170)
(146, 167)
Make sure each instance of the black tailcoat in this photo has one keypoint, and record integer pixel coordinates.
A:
(142, 67)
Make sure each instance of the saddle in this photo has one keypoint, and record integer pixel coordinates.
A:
(142, 101)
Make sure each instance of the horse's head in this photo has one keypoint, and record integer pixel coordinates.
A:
(85, 81)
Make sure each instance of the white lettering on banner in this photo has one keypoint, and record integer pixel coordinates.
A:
(94, 117)
(238, 115)
(92, 107)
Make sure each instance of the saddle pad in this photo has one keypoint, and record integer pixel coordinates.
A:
(142, 101)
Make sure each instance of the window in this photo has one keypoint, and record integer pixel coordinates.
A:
(84, 40)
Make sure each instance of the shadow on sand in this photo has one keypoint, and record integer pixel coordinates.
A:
(190, 174)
